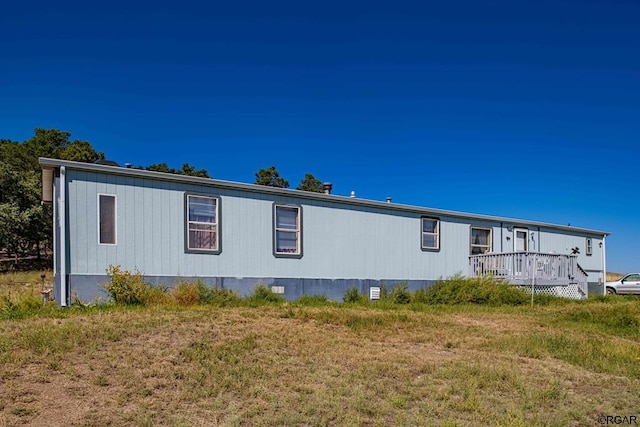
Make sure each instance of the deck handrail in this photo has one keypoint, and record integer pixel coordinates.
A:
(522, 267)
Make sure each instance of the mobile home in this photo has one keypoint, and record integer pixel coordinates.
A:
(234, 235)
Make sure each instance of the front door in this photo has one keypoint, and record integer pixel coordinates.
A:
(519, 245)
(520, 240)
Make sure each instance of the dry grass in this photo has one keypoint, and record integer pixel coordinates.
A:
(293, 365)
(612, 277)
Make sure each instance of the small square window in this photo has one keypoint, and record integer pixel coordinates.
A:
(480, 240)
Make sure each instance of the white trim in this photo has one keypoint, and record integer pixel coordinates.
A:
(588, 246)
(436, 234)
(604, 265)
(489, 240)
(295, 231)
(515, 239)
(115, 219)
(216, 228)
(62, 218)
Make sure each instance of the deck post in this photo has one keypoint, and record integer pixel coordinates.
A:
(533, 278)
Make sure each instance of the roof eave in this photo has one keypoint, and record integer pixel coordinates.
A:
(162, 176)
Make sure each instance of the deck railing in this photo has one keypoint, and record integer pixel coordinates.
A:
(523, 268)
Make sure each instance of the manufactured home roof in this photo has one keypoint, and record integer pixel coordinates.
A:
(48, 163)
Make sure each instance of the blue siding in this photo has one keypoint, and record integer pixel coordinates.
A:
(341, 243)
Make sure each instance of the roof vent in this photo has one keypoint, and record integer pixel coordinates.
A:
(353, 194)
(326, 187)
(388, 199)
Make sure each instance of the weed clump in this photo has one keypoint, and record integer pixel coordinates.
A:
(314, 301)
(125, 287)
(475, 290)
(263, 295)
(353, 296)
(399, 294)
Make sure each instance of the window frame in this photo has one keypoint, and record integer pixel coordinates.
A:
(115, 219)
(187, 248)
(436, 234)
(298, 231)
(489, 240)
(588, 250)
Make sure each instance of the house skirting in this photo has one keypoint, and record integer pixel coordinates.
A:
(87, 288)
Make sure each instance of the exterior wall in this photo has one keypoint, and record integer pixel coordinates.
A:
(338, 243)
(344, 245)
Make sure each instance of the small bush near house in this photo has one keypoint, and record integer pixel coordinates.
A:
(263, 295)
(353, 296)
(314, 301)
(222, 297)
(190, 293)
(129, 288)
(399, 294)
(476, 290)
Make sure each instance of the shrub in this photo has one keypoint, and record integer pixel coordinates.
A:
(314, 300)
(352, 296)
(129, 288)
(263, 295)
(475, 290)
(190, 293)
(400, 294)
(223, 297)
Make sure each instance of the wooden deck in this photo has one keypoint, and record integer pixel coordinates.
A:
(526, 268)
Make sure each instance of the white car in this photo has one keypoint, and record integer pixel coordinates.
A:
(627, 284)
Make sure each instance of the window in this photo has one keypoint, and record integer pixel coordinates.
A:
(589, 246)
(107, 219)
(202, 224)
(430, 234)
(480, 240)
(286, 231)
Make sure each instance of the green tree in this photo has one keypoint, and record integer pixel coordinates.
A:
(310, 183)
(56, 144)
(25, 224)
(186, 169)
(271, 178)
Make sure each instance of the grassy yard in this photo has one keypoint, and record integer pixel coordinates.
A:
(564, 363)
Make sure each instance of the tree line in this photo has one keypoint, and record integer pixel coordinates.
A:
(26, 223)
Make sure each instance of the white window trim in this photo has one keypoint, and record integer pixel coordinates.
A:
(216, 224)
(589, 246)
(423, 233)
(115, 219)
(489, 240)
(297, 231)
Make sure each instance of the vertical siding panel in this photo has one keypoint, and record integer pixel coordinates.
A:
(91, 225)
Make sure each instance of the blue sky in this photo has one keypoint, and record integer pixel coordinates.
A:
(524, 109)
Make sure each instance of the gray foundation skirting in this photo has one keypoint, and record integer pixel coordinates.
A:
(87, 288)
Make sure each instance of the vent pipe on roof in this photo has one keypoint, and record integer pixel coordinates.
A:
(353, 194)
(127, 165)
(326, 187)
(388, 199)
